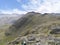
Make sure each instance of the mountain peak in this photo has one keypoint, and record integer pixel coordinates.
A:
(33, 13)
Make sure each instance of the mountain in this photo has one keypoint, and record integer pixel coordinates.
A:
(34, 22)
(45, 26)
(8, 18)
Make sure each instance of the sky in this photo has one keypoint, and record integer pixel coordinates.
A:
(24, 6)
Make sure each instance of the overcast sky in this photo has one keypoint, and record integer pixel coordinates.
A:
(23, 6)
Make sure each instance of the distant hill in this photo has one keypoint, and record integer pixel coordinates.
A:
(8, 18)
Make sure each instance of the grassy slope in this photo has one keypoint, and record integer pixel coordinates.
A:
(4, 39)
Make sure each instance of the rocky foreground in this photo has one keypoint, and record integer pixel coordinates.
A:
(35, 39)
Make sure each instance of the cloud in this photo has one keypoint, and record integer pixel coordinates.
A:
(32, 5)
(14, 11)
(50, 6)
(43, 6)
(19, 1)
